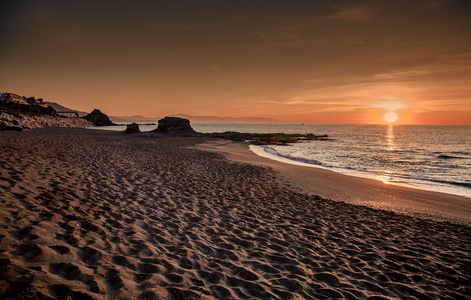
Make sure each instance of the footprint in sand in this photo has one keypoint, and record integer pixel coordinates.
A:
(65, 270)
(90, 256)
(29, 252)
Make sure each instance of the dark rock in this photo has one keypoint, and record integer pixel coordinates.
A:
(175, 126)
(4, 127)
(266, 138)
(132, 128)
(98, 118)
(179, 127)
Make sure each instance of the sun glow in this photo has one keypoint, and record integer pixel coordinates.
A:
(391, 106)
(390, 117)
(384, 178)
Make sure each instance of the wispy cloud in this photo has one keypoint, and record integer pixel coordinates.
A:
(360, 13)
(401, 74)
(451, 64)
(391, 105)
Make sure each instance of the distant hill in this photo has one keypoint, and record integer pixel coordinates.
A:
(214, 119)
(62, 109)
(138, 119)
(143, 120)
(193, 119)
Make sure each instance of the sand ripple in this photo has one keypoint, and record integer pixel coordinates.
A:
(96, 215)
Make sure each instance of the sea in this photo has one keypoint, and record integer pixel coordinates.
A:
(433, 158)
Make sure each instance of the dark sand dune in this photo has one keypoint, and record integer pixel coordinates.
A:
(87, 214)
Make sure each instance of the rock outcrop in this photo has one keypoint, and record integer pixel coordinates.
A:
(132, 128)
(98, 118)
(180, 127)
(22, 121)
(175, 126)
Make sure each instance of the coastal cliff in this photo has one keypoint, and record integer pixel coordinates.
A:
(19, 112)
(19, 121)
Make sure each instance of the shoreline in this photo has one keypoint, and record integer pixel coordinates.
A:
(414, 184)
(355, 190)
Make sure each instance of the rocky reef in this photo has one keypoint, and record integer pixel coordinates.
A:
(180, 127)
(266, 138)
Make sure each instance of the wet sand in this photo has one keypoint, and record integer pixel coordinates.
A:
(87, 214)
(355, 190)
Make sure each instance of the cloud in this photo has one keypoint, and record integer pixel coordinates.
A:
(354, 14)
(391, 105)
(434, 4)
(404, 73)
(450, 66)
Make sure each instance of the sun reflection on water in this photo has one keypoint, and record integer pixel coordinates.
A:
(384, 178)
(391, 146)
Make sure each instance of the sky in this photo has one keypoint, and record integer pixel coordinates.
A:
(407, 62)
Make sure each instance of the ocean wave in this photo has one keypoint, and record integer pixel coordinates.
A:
(273, 151)
(445, 156)
(455, 183)
(411, 158)
(461, 153)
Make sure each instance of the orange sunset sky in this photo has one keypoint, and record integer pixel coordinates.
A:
(293, 61)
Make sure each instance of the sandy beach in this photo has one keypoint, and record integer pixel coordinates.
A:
(89, 214)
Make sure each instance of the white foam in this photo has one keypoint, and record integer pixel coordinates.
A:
(423, 185)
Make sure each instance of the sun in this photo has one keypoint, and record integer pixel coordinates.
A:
(390, 106)
(390, 117)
